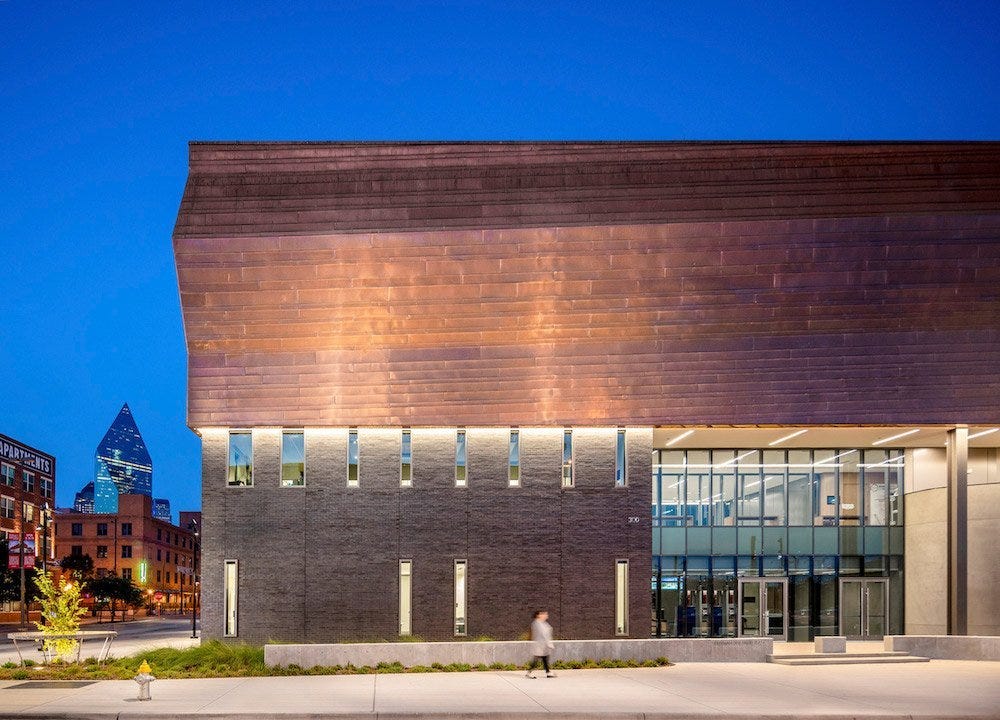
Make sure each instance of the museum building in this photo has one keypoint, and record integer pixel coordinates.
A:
(671, 389)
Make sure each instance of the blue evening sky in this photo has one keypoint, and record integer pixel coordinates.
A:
(98, 101)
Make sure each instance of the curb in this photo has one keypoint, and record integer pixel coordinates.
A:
(487, 716)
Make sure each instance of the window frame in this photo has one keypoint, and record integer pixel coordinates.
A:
(281, 463)
(230, 615)
(353, 439)
(567, 480)
(406, 608)
(231, 470)
(461, 629)
(514, 474)
(405, 450)
(621, 458)
(462, 482)
(621, 597)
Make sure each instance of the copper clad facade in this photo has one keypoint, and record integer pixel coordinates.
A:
(590, 283)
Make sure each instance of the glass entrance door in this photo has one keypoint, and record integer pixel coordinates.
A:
(764, 608)
(864, 608)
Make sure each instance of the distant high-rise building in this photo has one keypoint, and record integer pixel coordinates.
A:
(105, 489)
(161, 509)
(84, 502)
(125, 456)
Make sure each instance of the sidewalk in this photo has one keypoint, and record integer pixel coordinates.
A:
(940, 688)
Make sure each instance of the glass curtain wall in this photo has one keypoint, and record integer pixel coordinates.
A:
(811, 516)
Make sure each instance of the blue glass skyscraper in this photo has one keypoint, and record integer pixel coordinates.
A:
(84, 501)
(161, 509)
(125, 456)
(105, 490)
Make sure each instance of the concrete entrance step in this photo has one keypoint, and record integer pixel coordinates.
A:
(881, 658)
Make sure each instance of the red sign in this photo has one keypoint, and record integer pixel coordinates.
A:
(15, 548)
(158, 597)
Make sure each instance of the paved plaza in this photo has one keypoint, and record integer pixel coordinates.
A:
(940, 688)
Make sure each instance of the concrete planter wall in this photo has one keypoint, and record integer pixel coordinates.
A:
(947, 647)
(487, 653)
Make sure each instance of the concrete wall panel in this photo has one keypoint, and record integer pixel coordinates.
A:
(926, 568)
(984, 562)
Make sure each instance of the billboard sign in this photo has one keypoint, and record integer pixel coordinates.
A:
(16, 452)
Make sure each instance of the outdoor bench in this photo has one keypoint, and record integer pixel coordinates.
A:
(39, 638)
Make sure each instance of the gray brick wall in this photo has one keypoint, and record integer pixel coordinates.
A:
(320, 563)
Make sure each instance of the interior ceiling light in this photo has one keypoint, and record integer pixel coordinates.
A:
(983, 432)
(787, 437)
(736, 459)
(834, 457)
(895, 437)
(680, 437)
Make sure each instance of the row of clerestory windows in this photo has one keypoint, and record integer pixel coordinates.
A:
(240, 472)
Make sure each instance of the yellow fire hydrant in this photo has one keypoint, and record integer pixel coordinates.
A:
(144, 677)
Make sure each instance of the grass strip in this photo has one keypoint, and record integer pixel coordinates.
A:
(214, 659)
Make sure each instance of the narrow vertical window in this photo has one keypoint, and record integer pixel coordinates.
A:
(231, 597)
(293, 459)
(352, 458)
(461, 626)
(621, 597)
(461, 474)
(406, 460)
(514, 459)
(405, 596)
(567, 468)
(621, 473)
(240, 459)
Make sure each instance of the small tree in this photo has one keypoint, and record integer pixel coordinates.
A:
(10, 581)
(10, 588)
(114, 589)
(80, 566)
(61, 613)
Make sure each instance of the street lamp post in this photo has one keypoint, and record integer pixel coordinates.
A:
(45, 537)
(24, 602)
(194, 583)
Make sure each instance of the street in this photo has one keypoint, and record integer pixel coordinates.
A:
(133, 636)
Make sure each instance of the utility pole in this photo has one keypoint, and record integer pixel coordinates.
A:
(45, 537)
(24, 603)
(19, 514)
(194, 582)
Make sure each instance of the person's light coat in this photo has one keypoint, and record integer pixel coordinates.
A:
(541, 638)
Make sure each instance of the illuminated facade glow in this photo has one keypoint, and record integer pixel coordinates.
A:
(679, 389)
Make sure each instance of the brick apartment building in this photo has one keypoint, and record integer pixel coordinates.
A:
(27, 488)
(156, 555)
(685, 389)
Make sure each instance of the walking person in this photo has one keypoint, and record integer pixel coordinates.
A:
(541, 643)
